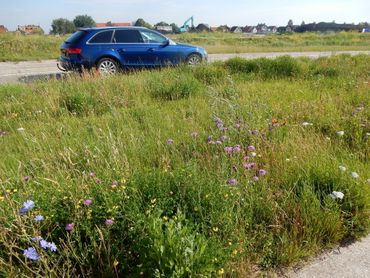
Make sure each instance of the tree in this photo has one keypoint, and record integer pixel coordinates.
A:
(141, 22)
(109, 23)
(62, 26)
(162, 23)
(303, 23)
(290, 23)
(83, 21)
(175, 28)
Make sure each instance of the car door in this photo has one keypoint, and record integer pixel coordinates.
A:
(130, 47)
(162, 50)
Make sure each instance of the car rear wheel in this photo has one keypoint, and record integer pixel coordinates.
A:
(193, 59)
(107, 66)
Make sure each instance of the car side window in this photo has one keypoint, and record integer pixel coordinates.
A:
(127, 36)
(102, 37)
(152, 37)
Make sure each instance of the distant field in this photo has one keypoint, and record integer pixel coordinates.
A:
(218, 170)
(16, 47)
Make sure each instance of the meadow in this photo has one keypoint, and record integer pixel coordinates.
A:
(232, 169)
(17, 47)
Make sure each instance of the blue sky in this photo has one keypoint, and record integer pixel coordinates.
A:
(216, 12)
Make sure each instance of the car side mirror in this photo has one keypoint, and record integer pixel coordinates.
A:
(166, 43)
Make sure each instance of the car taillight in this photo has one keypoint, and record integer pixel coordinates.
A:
(73, 50)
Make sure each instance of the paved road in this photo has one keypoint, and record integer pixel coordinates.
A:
(24, 71)
(352, 261)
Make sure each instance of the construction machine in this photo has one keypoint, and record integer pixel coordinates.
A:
(186, 27)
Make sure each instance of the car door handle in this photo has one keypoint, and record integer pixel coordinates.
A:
(151, 49)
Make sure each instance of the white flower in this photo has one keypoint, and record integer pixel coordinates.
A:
(337, 195)
(342, 168)
(340, 133)
(355, 175)
(306, 124)
(288, 159)
(253, 154)
(21, 129)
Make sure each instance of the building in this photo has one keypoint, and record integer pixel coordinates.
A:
(118, 24)
(236, 29)
(164, 29)
(30, 29)
(223, 29)
(250, 29)
(203, 28)
(3, 29)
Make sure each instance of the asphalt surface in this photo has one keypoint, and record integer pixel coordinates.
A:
(352, 261)
(11, 72)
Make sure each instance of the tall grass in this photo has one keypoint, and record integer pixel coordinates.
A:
(163, 155)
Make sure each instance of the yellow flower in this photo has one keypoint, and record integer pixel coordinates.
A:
(115, 263)
(15, 190)
(221, 272)
(153, 201)
(165, 218)
(235, 252)
(215, 229)
(1, 198)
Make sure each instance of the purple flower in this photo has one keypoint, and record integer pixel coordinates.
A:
(38, 218)
(218, 121)
(251, 148)
(249, 165)
(209, 138)
(237, 149)
(88, 202)
(52, 247)
(232, 182)
(109, 222)
(26, 178)
(27, 205)
(194, 134)
(36, 239)
(255, 178)
(254, 132)
(223, 138)
(228, 150)
(211, 142)
(70, 226)
(169, 141)
(246, 158)
(262, 172)
(44, 244)
(220, 126)
(31, 253)
(237, 125)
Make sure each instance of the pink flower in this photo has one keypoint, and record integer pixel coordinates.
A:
(251, 148)
(88, 202)
(249, 165)
(109, 222)
(70, 227)
(262, 172)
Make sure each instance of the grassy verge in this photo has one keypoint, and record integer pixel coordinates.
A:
(17, 47)
(182, 172)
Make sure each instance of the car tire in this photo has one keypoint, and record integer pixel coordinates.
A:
(193, 59)
(107, 66)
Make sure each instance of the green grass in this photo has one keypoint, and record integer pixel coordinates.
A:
(175, 215)
(17, 47)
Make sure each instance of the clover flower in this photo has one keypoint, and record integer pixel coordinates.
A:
(337, 195)
(109, 222)
(31, 253)
(69, 227)
(88, 202)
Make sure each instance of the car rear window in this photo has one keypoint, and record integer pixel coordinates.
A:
(76, 36)
(127, 36)
(102, 37)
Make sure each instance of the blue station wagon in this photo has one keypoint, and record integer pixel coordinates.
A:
(110, 49)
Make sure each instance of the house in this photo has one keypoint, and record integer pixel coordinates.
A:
(281, 29)
(214, 29)
(271, 29)
(119, 24)
(203, 28)
(223, 29)
(262, 28)
(250, 30)
(3, 29)
(164, 29)
(236, 29)
(30, 29)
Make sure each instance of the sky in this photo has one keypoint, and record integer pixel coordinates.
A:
(212, 12)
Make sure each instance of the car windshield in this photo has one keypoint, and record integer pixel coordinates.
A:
(76, 36)
(152, 37)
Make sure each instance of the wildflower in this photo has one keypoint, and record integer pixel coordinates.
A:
(115, 263)
(251, 148)
(91, 174)
(52, 247)
(44, 244)
(221, 272)
(215, 229)
(246, 158)
(220, 126)
(31, 253)
(223, 138)
(228, 150)
(114, 184)
(337, 195)
(237, 149)
(253, 154)
(262, 172)
(340, 133)
(355, 175)
(254, 132)
(169, 141)
(211, 142)
(36, 239)
(26, 178)
(342, 168)
(218, 143)
(232, 182)
(27, 205)
(109, 222)
(360, 108)
(194, 134)
(69, 227)
(306, 124)
(255, 178)
(20, 129)
(249, 165)
(237, 125)
(38, 218)
(88, 202)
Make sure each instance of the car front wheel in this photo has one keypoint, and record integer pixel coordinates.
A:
(193, 59)
(107, 66)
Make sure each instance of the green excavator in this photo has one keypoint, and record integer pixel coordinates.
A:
(186, 27)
